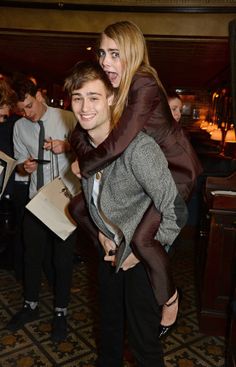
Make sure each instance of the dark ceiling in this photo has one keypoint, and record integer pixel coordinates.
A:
(184, 63)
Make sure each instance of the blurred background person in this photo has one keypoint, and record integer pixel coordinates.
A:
(176, 104)
(8, 215)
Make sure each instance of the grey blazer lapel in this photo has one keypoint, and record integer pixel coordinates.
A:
(123, 249)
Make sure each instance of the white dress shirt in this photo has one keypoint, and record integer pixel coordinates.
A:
(58, 124)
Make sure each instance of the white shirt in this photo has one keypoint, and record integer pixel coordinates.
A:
(58, 124)
(118, 235)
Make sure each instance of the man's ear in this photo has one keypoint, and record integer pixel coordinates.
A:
(110, 99)
(39, 97)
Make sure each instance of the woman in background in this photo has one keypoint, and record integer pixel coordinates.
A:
(176, 104)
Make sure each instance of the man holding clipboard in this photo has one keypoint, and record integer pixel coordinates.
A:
(42, 135)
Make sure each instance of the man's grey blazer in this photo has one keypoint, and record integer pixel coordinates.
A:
(128, 185)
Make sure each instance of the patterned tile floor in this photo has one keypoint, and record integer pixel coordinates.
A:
(32, 347)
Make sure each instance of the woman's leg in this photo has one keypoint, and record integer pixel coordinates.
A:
(153, 255)
(157, 263)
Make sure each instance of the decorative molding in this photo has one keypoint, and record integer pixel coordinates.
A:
(95, 35)
(129, 2)
(134, 6)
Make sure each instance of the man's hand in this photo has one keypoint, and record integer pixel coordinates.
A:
(56, 146)
(75, 169)
(29, 165)
(108, 246)
(130, 262)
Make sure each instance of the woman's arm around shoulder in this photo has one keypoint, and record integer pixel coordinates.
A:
(143, 98)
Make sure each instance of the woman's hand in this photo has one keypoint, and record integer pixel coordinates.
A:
(130, 262)
(75, 168)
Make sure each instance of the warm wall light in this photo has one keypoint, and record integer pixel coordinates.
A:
(230, 136)
(204, 125)
(216, 135)
(211, 127)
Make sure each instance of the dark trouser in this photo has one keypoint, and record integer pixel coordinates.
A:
(128, 296)
(20, 197)
(145, 247)
(128, 291)
(111, 298)
(36, 238)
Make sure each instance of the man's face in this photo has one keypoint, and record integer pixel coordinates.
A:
(32, 108)
(91, 106)
(109, 59)
(4, 112)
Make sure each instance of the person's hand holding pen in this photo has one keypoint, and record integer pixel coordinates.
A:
(56, 146)
(30, 165)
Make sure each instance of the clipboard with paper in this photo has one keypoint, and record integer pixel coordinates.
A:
(50, 205)
(7, 165)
